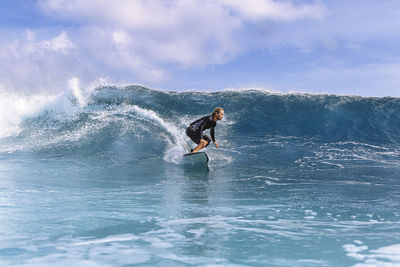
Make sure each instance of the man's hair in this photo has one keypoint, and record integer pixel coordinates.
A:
(216, 111)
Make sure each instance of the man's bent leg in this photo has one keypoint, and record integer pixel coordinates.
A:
(203, 143)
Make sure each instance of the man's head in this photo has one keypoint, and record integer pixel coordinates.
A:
(218, 114)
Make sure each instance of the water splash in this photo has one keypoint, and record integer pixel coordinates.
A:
(177, 146)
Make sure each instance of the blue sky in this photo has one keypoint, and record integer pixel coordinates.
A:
(342, 47)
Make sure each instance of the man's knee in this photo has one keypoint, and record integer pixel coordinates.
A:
(204, 142)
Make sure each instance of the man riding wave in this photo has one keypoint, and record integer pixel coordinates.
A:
(196, 128)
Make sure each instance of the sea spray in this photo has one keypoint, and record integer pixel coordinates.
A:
(14, 108)
(177, 146)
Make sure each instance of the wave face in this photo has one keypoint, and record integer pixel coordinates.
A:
(149, 119)
(324, 117)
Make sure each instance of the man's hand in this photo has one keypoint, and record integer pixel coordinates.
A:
(216, 144)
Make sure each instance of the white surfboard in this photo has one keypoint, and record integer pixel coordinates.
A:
(194, 158)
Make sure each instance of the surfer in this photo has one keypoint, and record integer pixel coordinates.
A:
(196, 128)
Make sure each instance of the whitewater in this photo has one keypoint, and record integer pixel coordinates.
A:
(95, 178)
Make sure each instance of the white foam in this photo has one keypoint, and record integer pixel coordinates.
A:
(15, 107)
(258, 89)
(197, 232)
(109, 239)
(81, 98)
(383, 256)
(351, 248)
(310, 213)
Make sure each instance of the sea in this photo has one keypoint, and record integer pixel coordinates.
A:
(97, 178)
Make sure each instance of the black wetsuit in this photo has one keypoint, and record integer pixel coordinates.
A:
(196, 128)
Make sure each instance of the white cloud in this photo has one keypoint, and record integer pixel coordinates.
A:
(355, 23)
(371, 79)
(267, 9)
(60, 44)
(28, 61)
(144, 37)
(187, 33)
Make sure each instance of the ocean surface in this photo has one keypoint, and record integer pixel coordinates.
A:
(96, 178)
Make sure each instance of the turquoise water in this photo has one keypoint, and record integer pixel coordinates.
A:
(298, 180)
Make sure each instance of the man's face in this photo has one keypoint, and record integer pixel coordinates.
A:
(220, 115)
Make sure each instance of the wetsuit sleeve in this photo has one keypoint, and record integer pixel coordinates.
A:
(212, 134)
